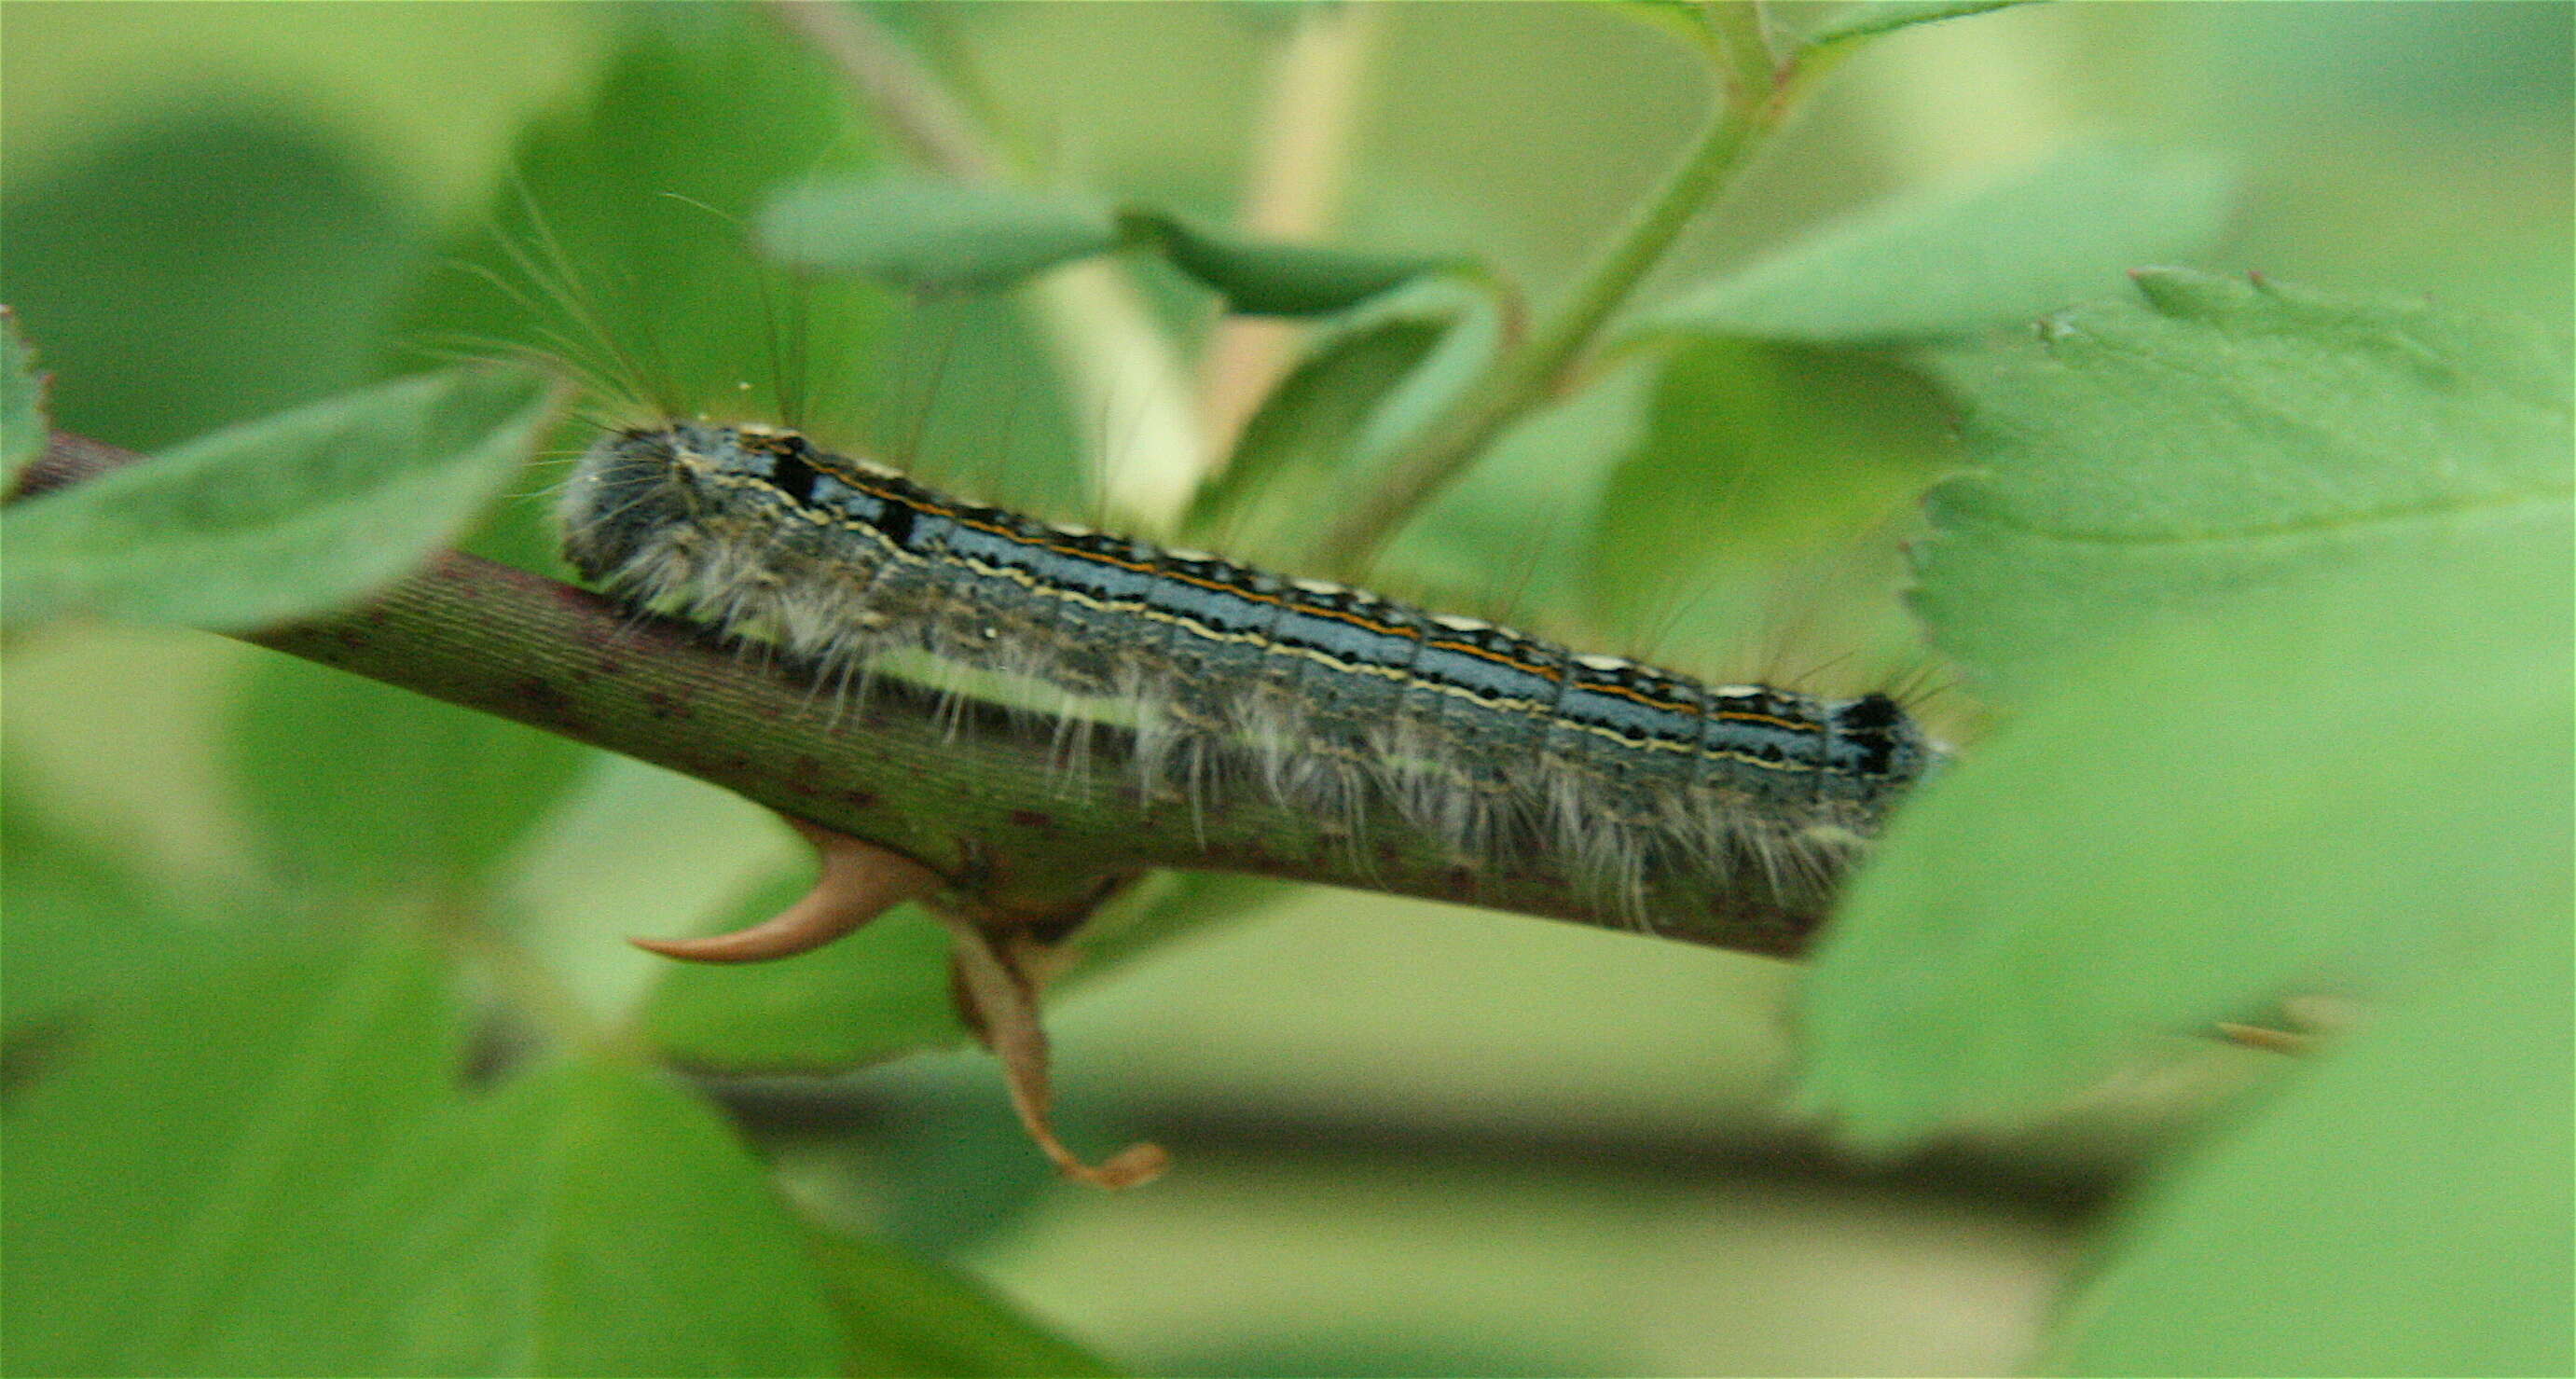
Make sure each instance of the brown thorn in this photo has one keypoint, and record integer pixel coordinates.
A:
(859, 881)
(999, 1000)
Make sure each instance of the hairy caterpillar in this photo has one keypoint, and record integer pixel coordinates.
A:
(1335, 701)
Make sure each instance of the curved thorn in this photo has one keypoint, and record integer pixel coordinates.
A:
(859, 881)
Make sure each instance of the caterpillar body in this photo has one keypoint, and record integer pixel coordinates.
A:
(1335, 701)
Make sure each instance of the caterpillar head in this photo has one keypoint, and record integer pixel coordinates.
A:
(631, 490)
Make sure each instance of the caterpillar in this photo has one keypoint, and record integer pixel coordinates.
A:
(1333, 700)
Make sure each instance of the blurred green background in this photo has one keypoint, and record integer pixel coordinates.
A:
(1412, 1139)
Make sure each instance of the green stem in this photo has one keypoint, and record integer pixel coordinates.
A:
(1527, 376)
(1744, 45)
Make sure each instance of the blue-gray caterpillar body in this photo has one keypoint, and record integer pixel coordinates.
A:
(1336, 701)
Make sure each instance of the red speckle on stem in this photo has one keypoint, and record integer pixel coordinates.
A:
(548, 703)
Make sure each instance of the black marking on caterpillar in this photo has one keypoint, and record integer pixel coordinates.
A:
(1335, 701)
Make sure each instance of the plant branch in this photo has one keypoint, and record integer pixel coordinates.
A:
(1120, 365)
(965, 789)
(1530, 374)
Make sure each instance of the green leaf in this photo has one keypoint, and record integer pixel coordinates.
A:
(2403, 1209)
(1472, 337)
(1874, 17)
(22, 403)
(939, 235)
(2251, 555)
(1754, 454)
(905, 1317)
(1162, 906)
(953, 1166)
(879, 992)
(280, 518)
(199, 1147)
(361, 788)
(616, 249)
(2320, 787)
(267, 1168)
(1675, 18)
(78, 923)
(1948, 261)
(1377, 377)
(585, 1219)
(930, 234)
(1265, 278)
(1295, 448)
(254, 258)
(2158, 457)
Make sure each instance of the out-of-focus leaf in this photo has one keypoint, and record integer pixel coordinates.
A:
(878, 992)
(1677, 18)
(2293, 575)
(942, 235)
(201, 1145)
(22, 402)
(359, 787)
(1753, 455)
(274, 519)
(2156, 457)
(1162, 906)
(1947, 261)
(630, 850)
(1417, 1348)
(955, 1166)
(2323, 786)
(930, 234)
(2403, 1209)
(76, 922)
(585, 1219)
(265, 1167)
(222, 262)
(1371, 382)
(1263, 278)
(616, 247)
(1874, 17)
(905, 1317)
(1473, 337)
(1297, 445)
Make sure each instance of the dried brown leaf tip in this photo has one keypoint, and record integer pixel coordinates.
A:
(997, 984)
(2265, 1037)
